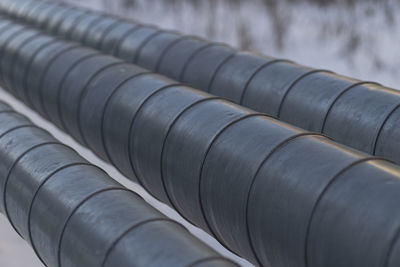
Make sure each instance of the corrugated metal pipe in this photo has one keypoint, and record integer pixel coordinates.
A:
(274, 194)
(362, 115)
(73, 214)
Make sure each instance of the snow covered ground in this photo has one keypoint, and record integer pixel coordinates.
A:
(359, 40)
(14, 251)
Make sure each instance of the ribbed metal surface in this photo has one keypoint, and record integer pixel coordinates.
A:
(74, 214)
(354, 113)
(272, 193)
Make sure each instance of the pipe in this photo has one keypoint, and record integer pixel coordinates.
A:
(272, 193)
(74, 214)
(315, 100)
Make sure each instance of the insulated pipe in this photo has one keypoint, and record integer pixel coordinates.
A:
(362, 115)
(73, 214)
(272, 193)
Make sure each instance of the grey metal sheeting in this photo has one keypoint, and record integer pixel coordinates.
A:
(316, 100)
(270, 192)
(74, 214)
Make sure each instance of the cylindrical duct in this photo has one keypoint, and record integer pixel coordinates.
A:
(362, 115)
(73, 214)
(273, 193)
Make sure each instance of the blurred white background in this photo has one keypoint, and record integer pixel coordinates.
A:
(357, 38)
